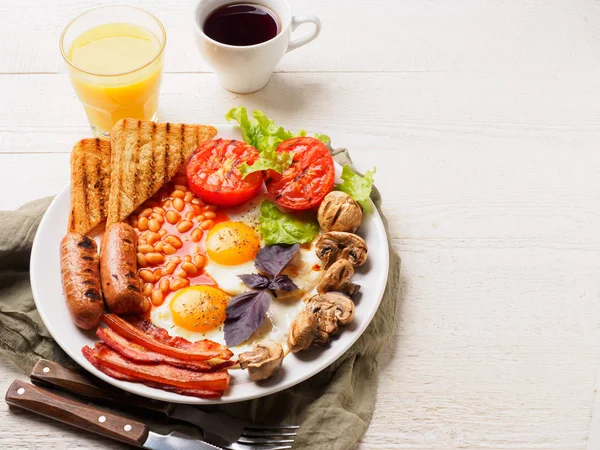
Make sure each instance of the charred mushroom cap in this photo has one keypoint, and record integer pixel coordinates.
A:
(339, 212)
(337, 278)
(303, 331)
(263, 361)
(331, 310)
(336, 245)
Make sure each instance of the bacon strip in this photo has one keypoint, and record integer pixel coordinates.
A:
(163, 374)
(141, 354)
(163, 336)
(185, 350)
(88, 353)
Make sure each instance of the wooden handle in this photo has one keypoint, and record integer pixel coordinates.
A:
(52, 374)
(41, 401)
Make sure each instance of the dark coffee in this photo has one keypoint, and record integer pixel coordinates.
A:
(241, 24)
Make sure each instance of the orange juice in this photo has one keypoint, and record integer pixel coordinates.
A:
(116, 71)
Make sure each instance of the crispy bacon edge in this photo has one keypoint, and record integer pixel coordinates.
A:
(114, 365)
(140, 354)
(185, 350)
(163, 336)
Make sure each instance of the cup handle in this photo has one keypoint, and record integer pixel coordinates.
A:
(299, 20)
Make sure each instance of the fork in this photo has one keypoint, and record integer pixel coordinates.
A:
(219, 428)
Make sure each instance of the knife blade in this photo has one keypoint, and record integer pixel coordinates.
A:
(38, 400)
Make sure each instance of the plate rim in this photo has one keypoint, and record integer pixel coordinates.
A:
(161, 395)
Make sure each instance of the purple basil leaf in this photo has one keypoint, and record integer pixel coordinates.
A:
(272, 259)
(255, 281)
(245, 313)
(283, 283)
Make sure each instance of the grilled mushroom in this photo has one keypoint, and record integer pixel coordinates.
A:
(263, 361)
(336, 245)
(339, 212)
(337, 278)
(303, 331)
(331, 310)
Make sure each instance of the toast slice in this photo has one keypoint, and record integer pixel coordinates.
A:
(90, 184)
(145, 155)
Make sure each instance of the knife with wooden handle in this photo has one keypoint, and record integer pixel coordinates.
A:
(90, 418)
(50, 374)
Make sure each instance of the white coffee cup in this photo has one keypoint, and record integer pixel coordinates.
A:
(248, 69)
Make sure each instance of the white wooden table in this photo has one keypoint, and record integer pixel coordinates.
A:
(483, 119)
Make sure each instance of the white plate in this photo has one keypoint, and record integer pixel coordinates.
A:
(50, 302)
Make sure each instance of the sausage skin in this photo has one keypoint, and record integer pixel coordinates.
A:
(79, 268)
(118, 270)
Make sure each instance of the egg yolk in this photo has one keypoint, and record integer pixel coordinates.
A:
(232, 243)
(199, 308)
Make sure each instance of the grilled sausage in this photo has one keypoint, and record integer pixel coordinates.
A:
(118, 270)
(79, 268)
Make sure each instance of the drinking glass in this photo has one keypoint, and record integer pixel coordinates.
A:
(107, 96)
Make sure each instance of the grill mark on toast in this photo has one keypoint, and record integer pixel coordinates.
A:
(85, 197)
(153, 179)
(136, 161)
(119, 180)
(167, 149)
(182, 143)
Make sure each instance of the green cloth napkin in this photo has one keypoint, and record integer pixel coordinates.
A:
(333, 407)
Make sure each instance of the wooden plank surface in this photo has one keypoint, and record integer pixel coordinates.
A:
(482, 118)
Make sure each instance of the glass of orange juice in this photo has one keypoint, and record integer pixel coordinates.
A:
(114, 56)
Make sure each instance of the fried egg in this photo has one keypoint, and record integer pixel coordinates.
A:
(198, 312)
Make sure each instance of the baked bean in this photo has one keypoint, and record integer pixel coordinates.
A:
(157, 297)
(174, 241)
(158, 217)
(179, 283)
(180, 273)
(180, 187)
(155, 258)
(212, 208)
(145, 248)
(188, 196)
(178, 194)
(153, 225)
(197, 235)
(199, 261)
(175, 259)
(173, 217)
(184, 225)
(147, 304)
(147, 275)
(195, 249)
(197, 201)
(142, 261)
(168, 203)
(158, 210)
(158, 274)
(158, 247)
(170, 268)
(143, 223)
(207, 224)
(190, 215)
(168, 249)
(164, 285)
(178, 204)
(189, 268)
(146, 212)
(210, 215)
(162, 233)
(152, 238)
(187, 258)
(147, 290)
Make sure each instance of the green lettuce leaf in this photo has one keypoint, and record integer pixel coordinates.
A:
(357, 187)
(278, 227)
(269, 159)
(261, 132)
